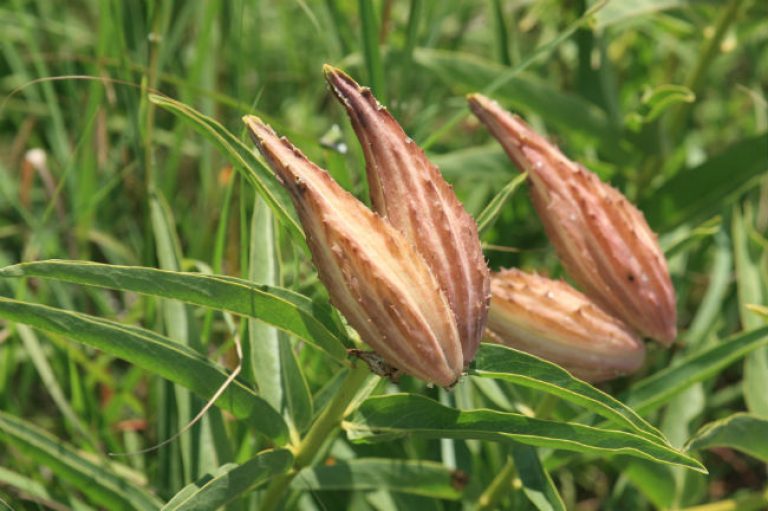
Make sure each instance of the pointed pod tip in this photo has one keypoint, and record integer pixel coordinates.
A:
(476, 97)
(329, 69)
(257, 127)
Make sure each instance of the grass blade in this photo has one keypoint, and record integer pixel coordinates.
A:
(752, 289)
(492, 211)
(242, 158)
(230, 481)
(537, 484)
(652, 392)
(700, 192)
(96, 479)
(370, 36)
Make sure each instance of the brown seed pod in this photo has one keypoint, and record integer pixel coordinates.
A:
(409, 191)
(603, 241)
(374, 276)
(552, 320)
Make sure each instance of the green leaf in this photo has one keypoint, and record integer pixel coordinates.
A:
(36, 489)
(370, 35)
(487, 163)
(242, 158)
(399, 415)
(491, 212)
(230, 481)
(656, 101)
(616, 12)
(503, 363)
(263, 347)
(466, 73)
(155, 353)
(701, 192)
(415, 477)
(282, 308)
(97, 479)
(656, 482)
(176, 326)
(752, 288)
(537, 484)
(652, 392)
(741, 431)
(272, 360)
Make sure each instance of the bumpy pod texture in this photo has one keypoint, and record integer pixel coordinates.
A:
(552, 320)
(603, 241)
(374, 276)
(409, 191)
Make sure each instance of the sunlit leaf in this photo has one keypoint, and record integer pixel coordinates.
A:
(400, 415)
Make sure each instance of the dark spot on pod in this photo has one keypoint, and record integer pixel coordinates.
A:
(630, 277)
(300, 185)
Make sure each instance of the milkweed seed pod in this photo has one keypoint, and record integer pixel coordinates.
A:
(374, 276)
(409, 191)
(552, 320)
(603, 241)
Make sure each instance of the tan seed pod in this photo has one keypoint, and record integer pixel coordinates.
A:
(409, 191)
(603, 241)
(374, 276)
(552, 320)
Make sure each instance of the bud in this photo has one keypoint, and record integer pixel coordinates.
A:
(603, 241)
(411, 194)
(374, 276)
(552, 320)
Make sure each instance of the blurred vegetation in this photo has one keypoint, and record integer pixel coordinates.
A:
(665, 99)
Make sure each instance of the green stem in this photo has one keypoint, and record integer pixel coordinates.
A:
(708, 52)
(318, 434)
(498, 487)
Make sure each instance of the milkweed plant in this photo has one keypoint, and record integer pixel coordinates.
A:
(384, 255)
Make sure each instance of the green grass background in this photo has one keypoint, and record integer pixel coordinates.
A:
(665, 99)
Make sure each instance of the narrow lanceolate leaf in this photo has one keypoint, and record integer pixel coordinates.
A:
(552, 320)
(603, 241)
(465, 73)
(700, 192)
(155, 353)
(230, 482)
(654, 391)
(742, 431)
(374, 276)
(415, 477)
(398, 415)
(500, 362)
(408, 190)
(99, 480)
(488, 216)
(288, 311)
(537, 484)
(241, 157)
(752, 287)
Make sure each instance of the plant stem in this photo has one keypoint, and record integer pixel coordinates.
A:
(708, 52)
(307, 449)
(498, 487)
